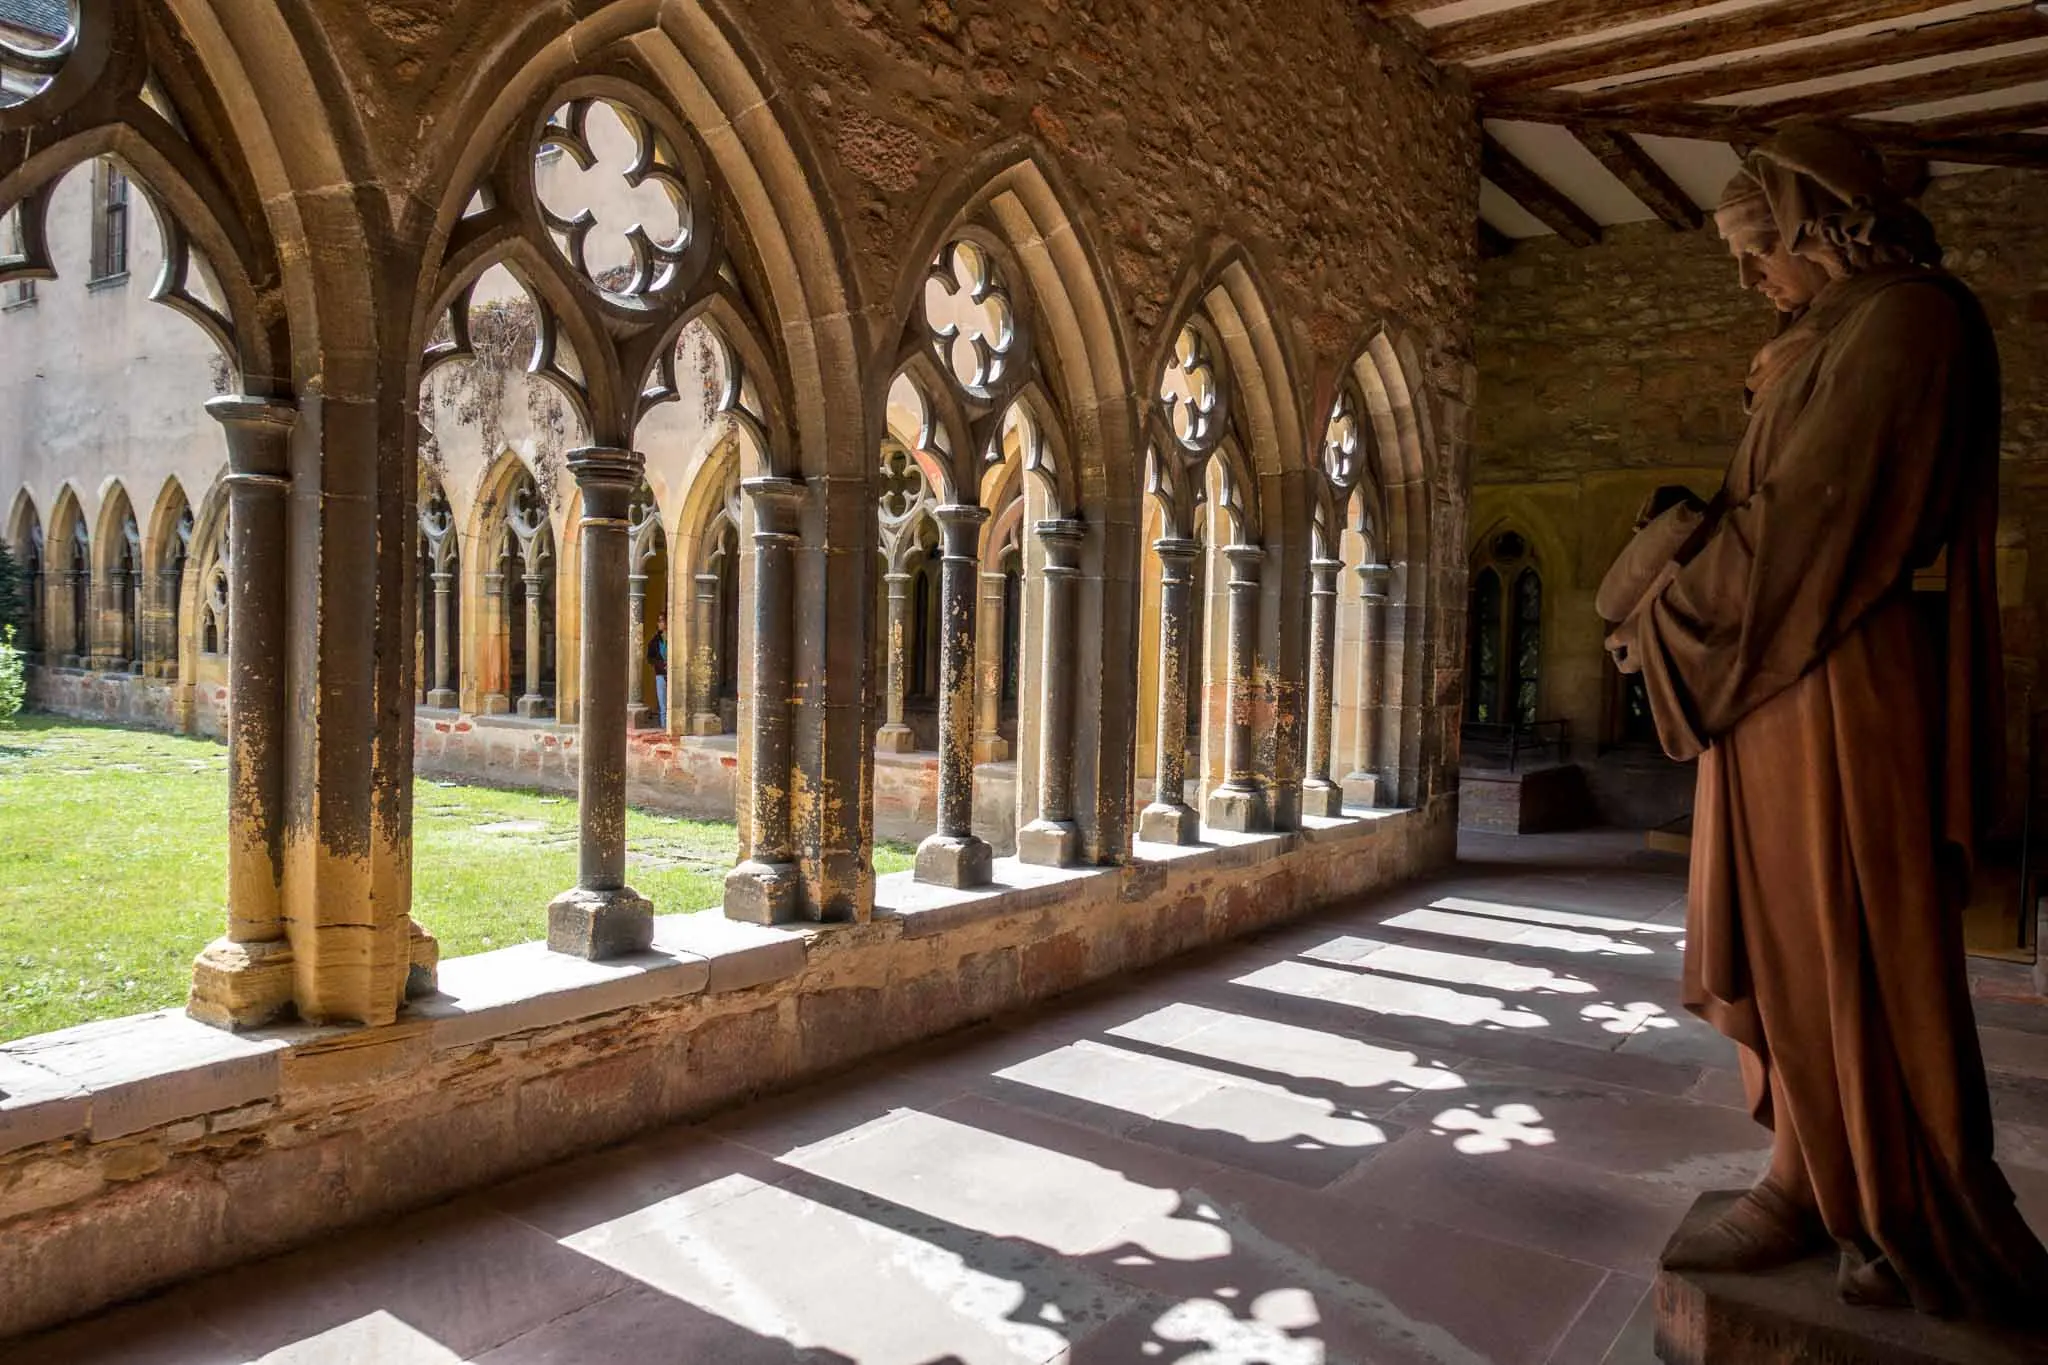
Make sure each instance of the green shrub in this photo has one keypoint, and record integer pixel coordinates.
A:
(13, 687)
(13, 591)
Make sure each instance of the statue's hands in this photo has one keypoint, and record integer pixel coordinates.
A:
(1622, 645)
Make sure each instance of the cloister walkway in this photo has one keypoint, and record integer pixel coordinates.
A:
(1453, 1124)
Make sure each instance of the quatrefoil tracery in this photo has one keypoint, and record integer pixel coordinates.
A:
(1190, 394)
(973, 324)
(1343, 441)
(626, 261)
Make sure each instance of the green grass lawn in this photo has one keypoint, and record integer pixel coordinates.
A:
(113, 857)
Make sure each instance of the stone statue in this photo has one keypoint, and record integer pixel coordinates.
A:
(1848, 741)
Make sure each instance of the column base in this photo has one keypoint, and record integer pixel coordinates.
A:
(991, 749)
(1320, 796)
(895, 739)
(1169, 823)
(763, 893)
(707, 723)
(639, 717)
(955, 861)
(442, 699)
(534, 707)
(241, 985)
(1049, 843)
(495, 704)
(597, 925)
(1361, 789)
(1241, 810)
(423, 969)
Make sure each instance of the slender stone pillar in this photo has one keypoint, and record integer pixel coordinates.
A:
(1240, 803)
(162, 651)
(1361, 784)
(766, 887)
(1052, 840)
(952, 856)
(443, 693)
(895, 736)
(989, 744)
(1168, 819)
(703, 679)
(1319, 795)
(532, 702)
(636, 644)
(602, 917)
(244, 979)
(496, 631)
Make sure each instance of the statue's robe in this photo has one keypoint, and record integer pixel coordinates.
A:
(1849, 747)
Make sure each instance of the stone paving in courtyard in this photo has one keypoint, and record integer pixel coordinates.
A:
(1452, 1124)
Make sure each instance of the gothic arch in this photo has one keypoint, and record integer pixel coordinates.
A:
(25, 539)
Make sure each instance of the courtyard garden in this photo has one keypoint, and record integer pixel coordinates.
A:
(113, 858)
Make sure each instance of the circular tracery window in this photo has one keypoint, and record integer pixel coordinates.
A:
(615, 196)
(973, 325)
(1189, 392)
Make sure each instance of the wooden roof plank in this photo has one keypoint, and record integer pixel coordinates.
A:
(1625, 158)
(1736, 124)
(1543, 22)
(1546, 202)
(1836, 58)
(1782, 21)
(1971, 78)
(2006, 118)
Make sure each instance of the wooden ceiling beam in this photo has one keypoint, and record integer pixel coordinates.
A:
(1544, 22)
(1834, 59)
(1971, 78)
(1742, 126)
(1782, 21)
(2007, 118)
(1394, 9)
(1646, 180)
(1542, 199)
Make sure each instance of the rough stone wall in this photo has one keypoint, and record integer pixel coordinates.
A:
(1607, 371)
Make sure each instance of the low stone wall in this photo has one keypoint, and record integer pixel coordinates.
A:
(142, 1151)
(127, 699)
(692, 776)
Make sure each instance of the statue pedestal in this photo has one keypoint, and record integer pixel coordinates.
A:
(1794, 1315)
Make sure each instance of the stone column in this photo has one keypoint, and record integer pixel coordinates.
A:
(163, 649)
(531, 702)
(245, 978)
(1319, 795)
(494, 633)
(989, 744)
(895, 736)
(1361, 784)
(443, 691)
(766, 887)
(1240, 803)
(952, 856)
(636, 643)
(703, 678)
(1052, 840)
(602, 917)
(1168, 819)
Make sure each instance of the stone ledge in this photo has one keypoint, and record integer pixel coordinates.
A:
(923, 909)
(527, 987)
(143, 1071)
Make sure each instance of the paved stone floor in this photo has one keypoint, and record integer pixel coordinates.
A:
(1453, 1124)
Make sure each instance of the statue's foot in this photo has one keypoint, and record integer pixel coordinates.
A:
(1865, 1282)
(1762, 1230)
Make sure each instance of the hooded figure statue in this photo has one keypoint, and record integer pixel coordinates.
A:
(1849, 733)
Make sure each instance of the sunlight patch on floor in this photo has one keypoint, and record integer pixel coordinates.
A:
(1459, 969)
(1304, 1053)
(1483, 929)
(1388, 995)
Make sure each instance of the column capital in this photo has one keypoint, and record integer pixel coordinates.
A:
(257, 429)
(1374, 579)
(958, 524)
(1061, 536)
(607, 476)
(1178, 549)
(1323, 576)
